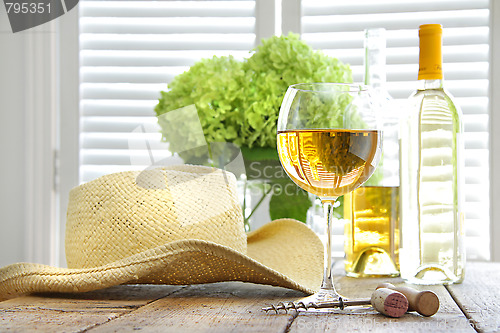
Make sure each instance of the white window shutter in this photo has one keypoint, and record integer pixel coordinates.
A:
(130, 51)
(337, 27)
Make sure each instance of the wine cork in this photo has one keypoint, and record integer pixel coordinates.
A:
(424, 302)
(389, 302)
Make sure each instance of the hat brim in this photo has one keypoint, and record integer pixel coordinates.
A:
(282, 253)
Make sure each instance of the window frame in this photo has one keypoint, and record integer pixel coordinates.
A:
(494, 133)
(69, 123)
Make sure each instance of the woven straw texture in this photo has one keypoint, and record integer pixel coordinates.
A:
(117, 216)
(177, 225)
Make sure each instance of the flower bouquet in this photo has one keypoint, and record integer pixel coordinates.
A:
(238, 102)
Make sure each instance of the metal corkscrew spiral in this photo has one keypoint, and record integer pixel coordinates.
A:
(301, 305)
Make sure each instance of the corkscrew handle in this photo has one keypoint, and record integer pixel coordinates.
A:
(424, 302)
(388, 299)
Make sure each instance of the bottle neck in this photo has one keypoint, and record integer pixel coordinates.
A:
(375, 75)
(430, 84)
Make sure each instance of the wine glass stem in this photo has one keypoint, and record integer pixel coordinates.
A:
(327, 277)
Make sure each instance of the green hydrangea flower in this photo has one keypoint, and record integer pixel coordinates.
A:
(213, 86)
(276, 64)
(239, 101)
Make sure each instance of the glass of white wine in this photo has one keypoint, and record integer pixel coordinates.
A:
(329, 144)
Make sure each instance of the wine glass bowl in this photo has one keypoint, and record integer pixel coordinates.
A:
(328, 162)
(329, 144)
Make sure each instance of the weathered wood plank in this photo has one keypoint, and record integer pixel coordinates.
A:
(75, 312)
(448, 318)
(479, 295)
(219, 307)
(236, 306)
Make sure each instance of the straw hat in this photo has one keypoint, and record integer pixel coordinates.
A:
(176, 225)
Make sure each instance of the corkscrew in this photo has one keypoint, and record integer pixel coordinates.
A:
(387, 299)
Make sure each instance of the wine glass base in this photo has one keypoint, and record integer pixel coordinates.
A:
(324, 295)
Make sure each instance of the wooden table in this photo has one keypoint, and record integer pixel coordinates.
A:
(236, 306)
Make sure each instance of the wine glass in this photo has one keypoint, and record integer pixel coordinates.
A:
(329, 144)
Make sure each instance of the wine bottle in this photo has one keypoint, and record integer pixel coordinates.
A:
(371, 212)
(432, 161)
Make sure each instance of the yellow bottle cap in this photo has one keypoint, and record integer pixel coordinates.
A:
(430, 59)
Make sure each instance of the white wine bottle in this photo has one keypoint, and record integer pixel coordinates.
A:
(371, 212)
(431, 193)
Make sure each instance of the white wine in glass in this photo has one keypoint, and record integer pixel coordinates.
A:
(329, 144)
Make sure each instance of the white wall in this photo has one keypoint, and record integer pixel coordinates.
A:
(12, 139)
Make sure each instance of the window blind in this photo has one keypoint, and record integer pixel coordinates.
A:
(129, 52)
(337, 27)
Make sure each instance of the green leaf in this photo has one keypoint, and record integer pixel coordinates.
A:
(289, 202)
